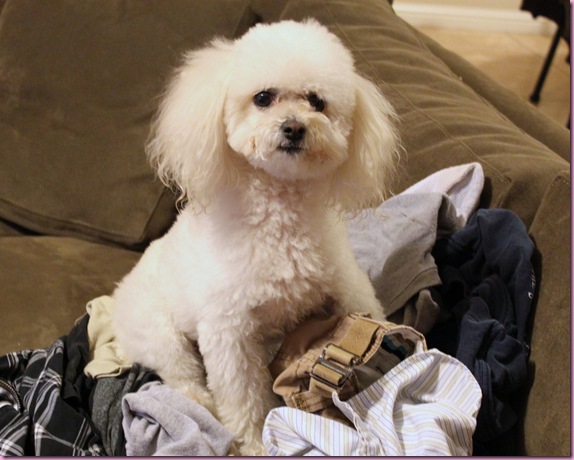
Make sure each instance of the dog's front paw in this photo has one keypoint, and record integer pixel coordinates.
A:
(378, 315)
(203, 397)
(372, 308)
(253, 449)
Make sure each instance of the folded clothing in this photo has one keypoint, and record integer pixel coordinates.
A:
(161, 421)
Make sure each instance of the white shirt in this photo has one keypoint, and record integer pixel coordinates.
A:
(425, 405)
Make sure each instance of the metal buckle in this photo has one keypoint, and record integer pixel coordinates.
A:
(345, 372)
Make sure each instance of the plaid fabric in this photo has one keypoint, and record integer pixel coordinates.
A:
(51, 419)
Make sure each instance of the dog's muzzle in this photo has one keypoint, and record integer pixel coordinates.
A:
(293, 133)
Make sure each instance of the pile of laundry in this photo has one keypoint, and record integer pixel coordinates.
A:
(461, 277)
(79, 397)
(464, 278)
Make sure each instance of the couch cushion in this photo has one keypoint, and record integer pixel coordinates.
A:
(46, 283)
(79, 82)
(443, 122)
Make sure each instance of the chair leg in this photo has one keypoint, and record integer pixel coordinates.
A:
(535, 96)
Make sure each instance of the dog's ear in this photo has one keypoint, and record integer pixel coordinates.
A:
(187, 144)
(363, 180)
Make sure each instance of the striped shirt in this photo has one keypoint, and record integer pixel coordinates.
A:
(425, 405)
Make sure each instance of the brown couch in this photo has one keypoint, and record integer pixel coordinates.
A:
(79, 82)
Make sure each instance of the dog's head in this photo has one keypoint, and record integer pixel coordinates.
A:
(284, 98)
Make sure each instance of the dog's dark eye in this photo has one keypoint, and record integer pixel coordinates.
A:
(263, 99)
(316, 102)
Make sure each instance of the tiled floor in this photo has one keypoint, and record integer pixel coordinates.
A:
(515, 60)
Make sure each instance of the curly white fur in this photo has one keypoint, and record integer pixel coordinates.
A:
(260, 244)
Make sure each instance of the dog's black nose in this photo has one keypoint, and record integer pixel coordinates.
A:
(293, 130)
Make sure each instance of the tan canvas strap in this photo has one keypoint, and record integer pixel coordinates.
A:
(335, 365)
(330, 349)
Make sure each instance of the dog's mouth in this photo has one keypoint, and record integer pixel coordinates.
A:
(291, 149)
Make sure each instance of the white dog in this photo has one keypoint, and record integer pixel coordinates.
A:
(270, 139)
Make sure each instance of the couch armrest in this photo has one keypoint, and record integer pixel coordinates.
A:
(547, 418)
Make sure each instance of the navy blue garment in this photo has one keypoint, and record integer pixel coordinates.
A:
(488, 285)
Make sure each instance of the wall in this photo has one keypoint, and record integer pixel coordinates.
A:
(490, 4)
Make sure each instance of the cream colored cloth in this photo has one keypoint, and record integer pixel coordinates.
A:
(105, 358)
